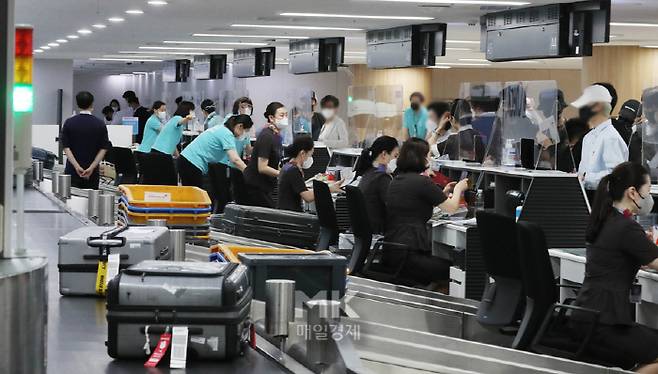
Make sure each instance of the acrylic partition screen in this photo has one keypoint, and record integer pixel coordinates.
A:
(649, 126)
(374, 111)
(300, 112)
(525, 130)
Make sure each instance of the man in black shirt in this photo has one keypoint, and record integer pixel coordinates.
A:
(85, 141)
(142, 114)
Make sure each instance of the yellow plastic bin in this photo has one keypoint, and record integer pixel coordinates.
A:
(172, 219)
(231, 252)
(146, 196)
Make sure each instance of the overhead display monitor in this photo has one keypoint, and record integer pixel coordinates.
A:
(316, 55)
(254, 62)
(176, 71)
(209, 67)
(406, 46)
(548, 31)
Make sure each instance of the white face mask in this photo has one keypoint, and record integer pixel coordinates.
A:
(308, 163)
(392, 165)
(162, 116)
(281, 123)
(645, 205)
(115, 108)
(328, 113)
(248, 111)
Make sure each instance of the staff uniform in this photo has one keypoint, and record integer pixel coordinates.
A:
(211, 146)
(143, 116)
(334, 133)
(151, 131)
(603, 149)
(85, 135)
(260, 186)
(291, 185)
(170, 136)
(613, 261)
(415, 122)
(213, 120)
(236, 177)
(374, 186)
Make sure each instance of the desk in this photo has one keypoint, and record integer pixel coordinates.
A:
(571, 263)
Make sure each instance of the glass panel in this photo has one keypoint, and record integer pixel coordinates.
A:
(373, 112)
(650, 131)
(300, 111)
(474, 116)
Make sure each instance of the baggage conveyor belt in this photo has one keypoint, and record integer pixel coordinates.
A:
(77, 328)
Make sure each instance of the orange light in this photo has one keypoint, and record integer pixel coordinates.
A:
(23, 70)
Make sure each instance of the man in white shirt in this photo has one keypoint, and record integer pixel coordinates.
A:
(603, 147)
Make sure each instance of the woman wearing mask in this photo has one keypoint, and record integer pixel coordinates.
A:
(409, 203)
(334, 131)
(439, 126)
(211, 119)
(263, 169)
(292, 186)
(153, 126)
(212, 146)
(375, 167)
(617, 247)
(172, 131)
(108, 114)
(242, 105)
(116, 116)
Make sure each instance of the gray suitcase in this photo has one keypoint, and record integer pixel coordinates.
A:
(78, 261)
(212, 299)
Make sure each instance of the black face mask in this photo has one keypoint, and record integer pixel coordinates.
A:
(586, 113)
(415, 106)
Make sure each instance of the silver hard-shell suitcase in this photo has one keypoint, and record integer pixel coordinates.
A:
(78, 258)
(212, 299)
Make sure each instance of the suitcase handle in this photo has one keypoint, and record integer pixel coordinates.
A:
(157, 330)
(98, 257)
(106, 243)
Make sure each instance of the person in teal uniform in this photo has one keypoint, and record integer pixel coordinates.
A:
(212, 119)
(215, 145)
(172, 131)
(414, 121)
(242, 105)
(153, 126)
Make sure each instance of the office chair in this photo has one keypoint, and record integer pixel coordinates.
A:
(124, 165)
(324, 207)
(502, 300)
(159, 170)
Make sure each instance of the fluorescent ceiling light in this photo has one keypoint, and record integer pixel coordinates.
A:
(439, 67)
(280, 63)
(328, 15)
(38, 51)
(187, 48)
(134, 11)
(116, 19)
(125, 59)
(215, 43)
(632, 24)
(62, 41)
(98, 26)
(44, 47)
(164, 53)
(461, 2)
(457, 49)
(140, 72)
(295, 27)
(157, 2)
(521, 62)
(473, 60)
(463, 41)
(125, 56)
(53, 44)
(649, 46)
(72, 36)
(461, 64)
(253, 36)
(84, 31)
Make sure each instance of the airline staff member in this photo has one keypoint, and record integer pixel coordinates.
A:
(292, 185)
(242, 105)
(212, 119)
(409, 203)
(414, 121)
(618, 247)
(153, 126)
(263, 169)
(375, 167)
(214, 145)
(603, 147)
(172, 131)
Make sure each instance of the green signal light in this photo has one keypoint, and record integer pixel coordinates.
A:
(349, 99)
(23, 98)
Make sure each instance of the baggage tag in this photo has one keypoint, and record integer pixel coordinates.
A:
(179, 347)
(635, 296)
(101, 278)
(160, 350)
(113, 261)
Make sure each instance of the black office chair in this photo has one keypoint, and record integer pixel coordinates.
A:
(363, 258)
(324, 207)
(159, 169)
(220, 186)
(124, 165)
(502, 301)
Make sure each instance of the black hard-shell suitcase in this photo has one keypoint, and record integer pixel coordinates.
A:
(212, 299)
(273, 225)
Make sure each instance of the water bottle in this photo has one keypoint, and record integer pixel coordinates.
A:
(479, 200)
(509, 153)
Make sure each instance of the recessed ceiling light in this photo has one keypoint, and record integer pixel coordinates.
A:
(134, 11)
(115, 19)
(157, 2)
(38, 51)
(72, 36)
(253, 36)
(187, 48)
(125, 59)
(632, 24)
(44, 47)
(62, 41)
(296, 27)
(461, 2)
(84, 31)
(164, 53)
(328, 15)
(98, 26)
(214, 43)
(461, 64)
(463, 41)
(53, 44)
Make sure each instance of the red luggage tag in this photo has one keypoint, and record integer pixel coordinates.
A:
(160, 350)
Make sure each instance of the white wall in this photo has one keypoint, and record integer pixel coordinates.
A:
(49, 76)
